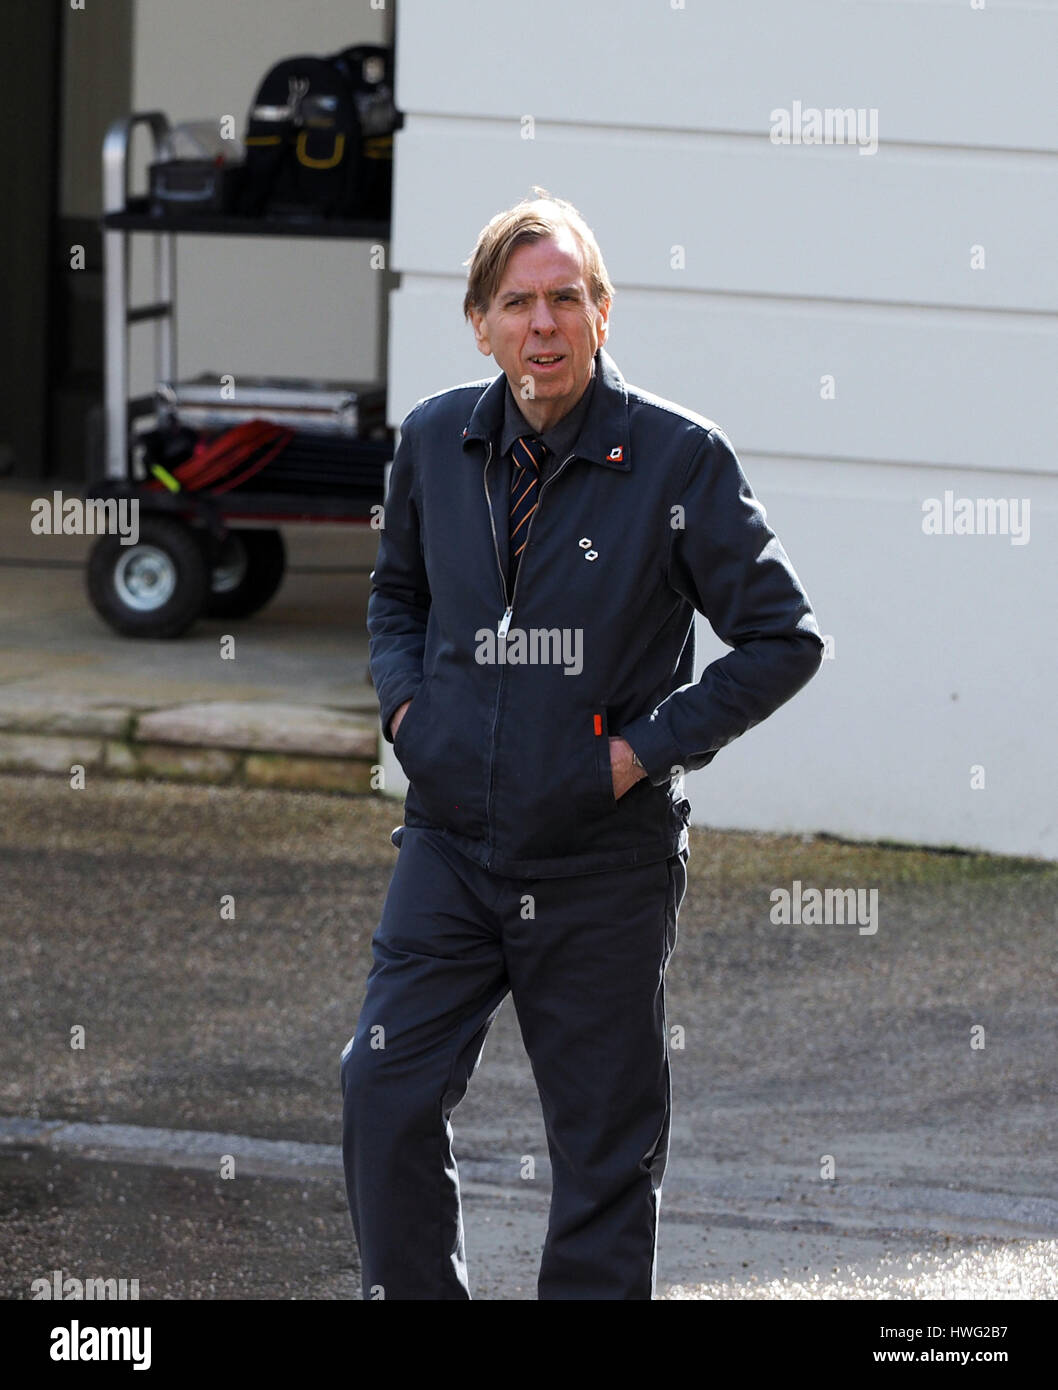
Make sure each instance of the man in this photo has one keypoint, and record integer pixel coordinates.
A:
(548, 536)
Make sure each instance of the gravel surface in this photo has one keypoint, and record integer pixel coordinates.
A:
(994, 1270)
(806, 1050)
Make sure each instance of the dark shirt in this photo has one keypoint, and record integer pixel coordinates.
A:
(560, 438)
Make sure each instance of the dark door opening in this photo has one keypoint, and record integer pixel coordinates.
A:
(66, 73)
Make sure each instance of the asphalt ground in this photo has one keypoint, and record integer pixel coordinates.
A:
(206, 1037)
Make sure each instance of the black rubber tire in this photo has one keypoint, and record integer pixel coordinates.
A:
(266, 562)
(108, 583)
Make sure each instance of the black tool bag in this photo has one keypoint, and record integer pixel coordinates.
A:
(319, 141)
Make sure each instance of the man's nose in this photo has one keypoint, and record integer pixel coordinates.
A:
(542, 319)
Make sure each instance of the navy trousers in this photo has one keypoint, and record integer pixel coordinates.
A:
(584, 960)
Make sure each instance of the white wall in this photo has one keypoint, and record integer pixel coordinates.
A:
(801, 262)
(294, 307)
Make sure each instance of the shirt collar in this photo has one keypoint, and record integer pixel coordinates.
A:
(604, 434)
(562, 435)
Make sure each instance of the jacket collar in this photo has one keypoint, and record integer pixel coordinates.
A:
(604, 434)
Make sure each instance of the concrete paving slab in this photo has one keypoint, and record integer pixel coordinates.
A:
(264, 725)
(63, 712)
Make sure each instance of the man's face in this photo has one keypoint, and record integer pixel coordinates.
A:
(543, 308)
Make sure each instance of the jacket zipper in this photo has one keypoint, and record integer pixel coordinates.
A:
(503, 626)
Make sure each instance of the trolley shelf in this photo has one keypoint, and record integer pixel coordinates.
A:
(138, 218)
(354, 505)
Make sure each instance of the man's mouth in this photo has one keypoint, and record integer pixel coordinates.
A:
(547, 359)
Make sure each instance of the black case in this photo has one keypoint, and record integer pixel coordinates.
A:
(180, 186)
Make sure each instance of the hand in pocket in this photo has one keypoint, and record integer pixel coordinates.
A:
(398, 715)
(623, 770)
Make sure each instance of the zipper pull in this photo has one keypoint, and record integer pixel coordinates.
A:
(504, 624)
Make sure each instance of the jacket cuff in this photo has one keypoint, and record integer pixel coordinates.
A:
(651, 743)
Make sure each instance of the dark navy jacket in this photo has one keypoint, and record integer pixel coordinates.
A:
(506, 741)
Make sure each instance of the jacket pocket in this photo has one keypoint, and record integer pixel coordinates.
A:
(403, 741)
(552, 788)
(603, 766)
(439, 745)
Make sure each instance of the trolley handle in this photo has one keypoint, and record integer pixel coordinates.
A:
(116, 154)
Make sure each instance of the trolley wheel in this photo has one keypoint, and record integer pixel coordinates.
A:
(155, 588)
(246, 573)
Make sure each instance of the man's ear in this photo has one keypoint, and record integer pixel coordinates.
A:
(481, 332)
(602, 321)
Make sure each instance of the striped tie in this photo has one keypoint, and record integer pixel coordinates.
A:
(528, 453)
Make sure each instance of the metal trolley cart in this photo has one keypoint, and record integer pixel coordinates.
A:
(208, 549)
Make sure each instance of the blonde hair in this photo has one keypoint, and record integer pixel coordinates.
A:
(531, 219)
